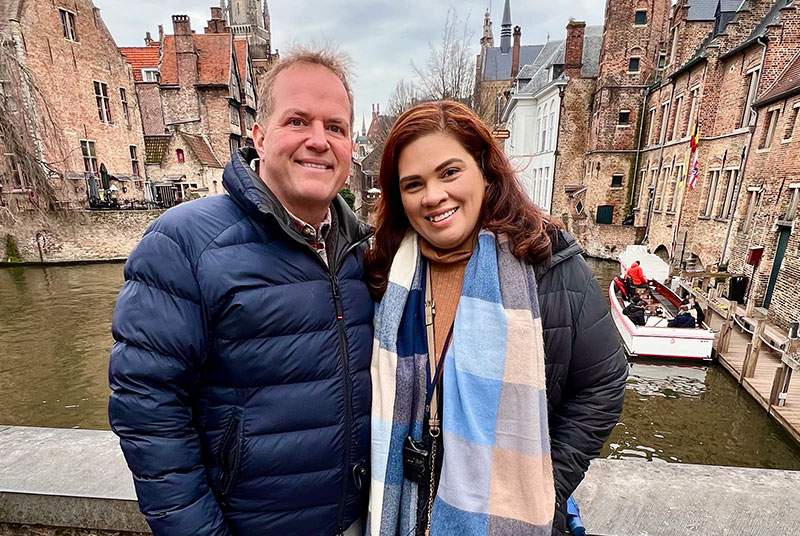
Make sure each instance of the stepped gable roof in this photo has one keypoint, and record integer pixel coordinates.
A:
(214, 53)
(772, 17)
(155, 147)
(787, 84)
(497, 66)
(141, 58)
(201, 149)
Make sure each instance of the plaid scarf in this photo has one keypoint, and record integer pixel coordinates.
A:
(497, 475)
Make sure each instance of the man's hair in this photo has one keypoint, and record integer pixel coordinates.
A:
(336, 62)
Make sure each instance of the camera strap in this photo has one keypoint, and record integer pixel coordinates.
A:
(435, 370)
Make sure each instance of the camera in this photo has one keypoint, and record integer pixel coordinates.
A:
(416, 460)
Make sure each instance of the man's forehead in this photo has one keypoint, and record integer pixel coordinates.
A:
(312, 88)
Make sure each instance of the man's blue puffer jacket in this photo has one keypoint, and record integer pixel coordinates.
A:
(240, 373)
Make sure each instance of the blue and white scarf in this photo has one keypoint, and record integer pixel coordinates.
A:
(497, 475)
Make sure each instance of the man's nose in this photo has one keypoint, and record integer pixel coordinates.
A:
(317, 140)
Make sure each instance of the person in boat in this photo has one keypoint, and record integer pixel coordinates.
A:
(636, 275)
(497, 372)
(699, 315)
(684, 318)
(635, 311)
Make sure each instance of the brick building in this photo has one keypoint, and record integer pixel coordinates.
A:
(730, 69)
(74, 92)
(250, 20)
(198, 104)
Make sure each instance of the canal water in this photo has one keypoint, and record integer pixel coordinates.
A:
(55, 340)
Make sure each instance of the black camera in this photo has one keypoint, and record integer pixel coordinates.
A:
(416, 460)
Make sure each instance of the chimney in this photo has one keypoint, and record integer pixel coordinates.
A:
(217, 23)
(148, 39)
(160, 33)
(375, 113)
(185, 52)
(515, 52)
(573, 55)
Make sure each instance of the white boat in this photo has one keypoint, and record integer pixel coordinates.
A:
(655, 339)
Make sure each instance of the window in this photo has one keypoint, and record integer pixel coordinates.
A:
(711, 192)
(677, 121)
(662, 135)
(662, 59)
(134, 161)
(640, 18)
(753, 200)
(605, 214)
(768, 133)
(660, 186)
(234, 113)
(616, 180)
(150, 75)
(17, 178)
(642, 179)
(249, 119)
(726, 197)
(672, 199)
(791, 121)
(234, 143)
(694, 99)
(633, 64)
(103, 104)
(651, 127)
(89, 156)
(543, 130)
(752, 87)
(68, 25)
(624, 117)
(791, 211)
(123, 97)
(552, 128)
(179, 156)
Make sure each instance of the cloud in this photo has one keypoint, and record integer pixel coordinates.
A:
(381, 36)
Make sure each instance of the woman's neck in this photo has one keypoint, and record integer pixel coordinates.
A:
(459, 253)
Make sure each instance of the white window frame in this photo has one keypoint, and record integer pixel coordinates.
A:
(794, 200)
(694, 99)
(662, 135)
(675, 176)
(791, 122)
(748, 114)
(68, 24)
(123, 97)
(625, 110)
(677, 122)
(102, 100)
(652, 120)
(753, 199)
(712, 179)
(89, 156)
(770, 126)
(150, 74)
(134, 154)
(730, 177)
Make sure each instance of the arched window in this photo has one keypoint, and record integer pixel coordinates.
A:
(179, 156)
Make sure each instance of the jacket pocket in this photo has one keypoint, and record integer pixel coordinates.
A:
(229, 455)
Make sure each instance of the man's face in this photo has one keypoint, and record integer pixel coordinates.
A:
(304, 146)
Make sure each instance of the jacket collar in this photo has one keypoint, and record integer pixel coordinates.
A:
(564, 247)
(254, 197)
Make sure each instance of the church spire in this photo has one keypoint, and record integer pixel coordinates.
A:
(505, 29)
(487, 39)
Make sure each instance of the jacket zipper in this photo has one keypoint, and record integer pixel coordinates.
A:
(229, 457)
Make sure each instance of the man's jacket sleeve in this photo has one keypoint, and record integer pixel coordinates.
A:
(160, 343)
(593, 395)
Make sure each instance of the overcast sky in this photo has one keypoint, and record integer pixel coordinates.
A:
(381, 36)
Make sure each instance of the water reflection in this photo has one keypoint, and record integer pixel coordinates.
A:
(55, 337)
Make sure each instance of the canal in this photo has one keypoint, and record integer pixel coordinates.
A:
(55, 340)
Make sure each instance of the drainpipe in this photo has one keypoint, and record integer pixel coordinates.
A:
(558, 137)
(743, 164)
(638, 151)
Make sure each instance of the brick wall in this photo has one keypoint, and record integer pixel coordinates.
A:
(78, 235)
(572, 140)
(64, 71)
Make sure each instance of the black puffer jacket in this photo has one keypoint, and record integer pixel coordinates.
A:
(586, 367)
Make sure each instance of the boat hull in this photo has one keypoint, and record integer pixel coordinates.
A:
(660, 342)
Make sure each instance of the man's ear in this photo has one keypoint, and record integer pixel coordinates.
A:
(258, 139)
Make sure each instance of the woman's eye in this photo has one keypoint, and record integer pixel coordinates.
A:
(449, 172)
(410, 186)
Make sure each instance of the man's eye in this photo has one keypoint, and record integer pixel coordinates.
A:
(296, 122)
(336, 128)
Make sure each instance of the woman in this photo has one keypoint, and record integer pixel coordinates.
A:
(483, 303)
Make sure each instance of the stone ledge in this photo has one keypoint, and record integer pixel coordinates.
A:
(58, 482)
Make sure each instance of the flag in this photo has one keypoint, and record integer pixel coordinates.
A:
(695, 137)
(694, 172)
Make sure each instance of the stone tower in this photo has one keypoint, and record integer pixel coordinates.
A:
(249, 18)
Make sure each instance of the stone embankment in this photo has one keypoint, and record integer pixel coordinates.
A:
(73, 236)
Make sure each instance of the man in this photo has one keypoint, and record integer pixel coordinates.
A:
(240, 376)
(636, 274)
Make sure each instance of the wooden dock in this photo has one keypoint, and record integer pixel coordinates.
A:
(762, 372)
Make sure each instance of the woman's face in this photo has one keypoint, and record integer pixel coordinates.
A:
(442, 189)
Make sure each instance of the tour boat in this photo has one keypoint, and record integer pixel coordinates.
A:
(655, 339)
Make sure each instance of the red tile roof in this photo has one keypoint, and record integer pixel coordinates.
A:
(201, 150)
(141, 58)
(213, 59)
(788, 83)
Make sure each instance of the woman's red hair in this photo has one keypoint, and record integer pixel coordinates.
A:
(506, 208)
